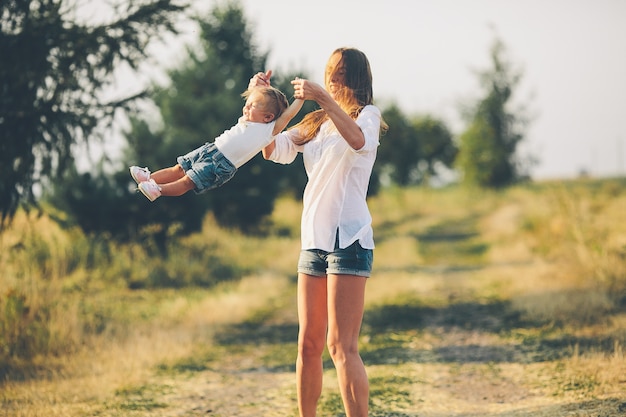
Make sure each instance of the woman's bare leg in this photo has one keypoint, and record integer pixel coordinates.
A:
(346, 297)
(311, 341)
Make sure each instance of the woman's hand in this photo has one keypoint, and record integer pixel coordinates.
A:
(260, 79)
(348, 129)
(307, 90)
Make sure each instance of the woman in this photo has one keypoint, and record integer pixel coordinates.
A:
(339, 143)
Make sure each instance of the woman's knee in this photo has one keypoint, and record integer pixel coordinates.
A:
(309, 347)
(340, 350)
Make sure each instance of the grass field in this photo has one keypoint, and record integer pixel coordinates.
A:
(507, 303)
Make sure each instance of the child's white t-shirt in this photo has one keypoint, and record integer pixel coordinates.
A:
(243, 141)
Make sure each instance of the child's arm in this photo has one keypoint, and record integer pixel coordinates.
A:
(281, 124)
(289, 113)
(268, 150)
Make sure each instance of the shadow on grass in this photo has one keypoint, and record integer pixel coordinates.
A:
(394, 328)
(388, 228)
(254, 333)
(610, 407)
(494, 317)
(27, 371)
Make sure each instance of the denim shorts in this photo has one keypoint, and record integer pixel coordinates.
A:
(207, 167)
(353, 260)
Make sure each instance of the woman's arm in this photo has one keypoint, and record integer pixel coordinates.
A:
(347, 127)
(282, 149)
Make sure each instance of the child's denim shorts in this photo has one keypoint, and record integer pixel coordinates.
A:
(353, 260)
(207, 167)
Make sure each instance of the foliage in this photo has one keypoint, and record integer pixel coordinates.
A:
(108, 205)
(201, 102)
(54, 70)
(414, 148)
(488, 154)
(57, 281)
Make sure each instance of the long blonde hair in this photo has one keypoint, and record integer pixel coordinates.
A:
(355, 94)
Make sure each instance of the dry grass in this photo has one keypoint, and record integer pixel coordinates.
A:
(481, 304)
(82, 383)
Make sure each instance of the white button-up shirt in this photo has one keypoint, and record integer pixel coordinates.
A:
(338, 177)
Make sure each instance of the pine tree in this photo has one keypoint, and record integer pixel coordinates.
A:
(53, 71)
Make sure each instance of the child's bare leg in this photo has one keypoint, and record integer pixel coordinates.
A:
(167, 175)
(178, 187)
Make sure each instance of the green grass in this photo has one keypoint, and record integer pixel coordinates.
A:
(518, 295)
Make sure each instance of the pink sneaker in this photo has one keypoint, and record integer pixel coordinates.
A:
(150, 189)
(139, 174)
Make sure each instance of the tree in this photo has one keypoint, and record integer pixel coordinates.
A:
(51, 78)
(413, 148)
(202, 100)
(488, 155)
(437, 145)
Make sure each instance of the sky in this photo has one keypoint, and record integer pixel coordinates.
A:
(424, 54)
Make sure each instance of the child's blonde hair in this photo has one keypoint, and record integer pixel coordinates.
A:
(274, 100)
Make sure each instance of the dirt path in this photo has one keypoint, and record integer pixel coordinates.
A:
(447, 362)
(451, 361)
(423, 389)
(437, 342)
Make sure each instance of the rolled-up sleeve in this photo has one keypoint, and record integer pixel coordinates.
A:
(285, 151)
(369, 122)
